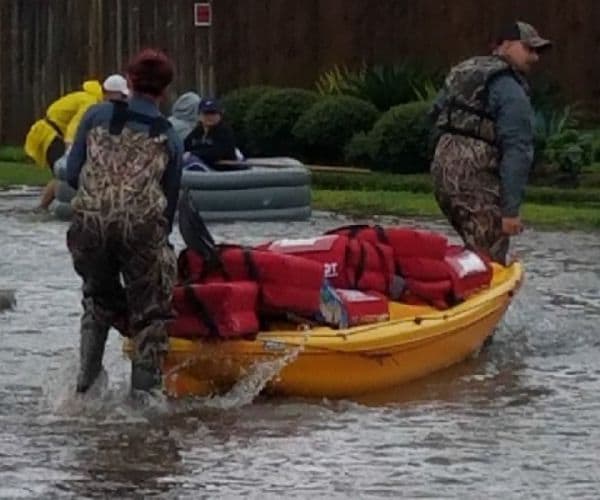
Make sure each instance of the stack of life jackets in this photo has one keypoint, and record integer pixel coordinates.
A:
(409, 265)
(248, 283)
(342, 278)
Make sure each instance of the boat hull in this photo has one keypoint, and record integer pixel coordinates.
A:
(339, 364)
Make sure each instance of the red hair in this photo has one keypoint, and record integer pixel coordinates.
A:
(150, 72)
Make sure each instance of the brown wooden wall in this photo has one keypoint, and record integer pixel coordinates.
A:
(47, 47)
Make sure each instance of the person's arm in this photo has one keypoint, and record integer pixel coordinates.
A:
(514, 131)
(78, 153)
(171, 181)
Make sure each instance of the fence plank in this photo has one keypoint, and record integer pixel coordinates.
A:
(49, 48)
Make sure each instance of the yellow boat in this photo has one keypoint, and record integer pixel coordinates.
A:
(325, 362)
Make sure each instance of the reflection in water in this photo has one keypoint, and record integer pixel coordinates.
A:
(519, 420)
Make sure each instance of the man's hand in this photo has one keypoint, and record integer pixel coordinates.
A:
(512, 225)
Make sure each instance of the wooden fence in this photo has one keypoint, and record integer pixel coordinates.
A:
(48, 47)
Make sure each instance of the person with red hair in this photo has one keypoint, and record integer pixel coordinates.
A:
(126, 167)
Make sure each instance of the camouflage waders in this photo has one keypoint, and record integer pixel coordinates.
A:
(126, 284)
(467, 189)
(118, 242)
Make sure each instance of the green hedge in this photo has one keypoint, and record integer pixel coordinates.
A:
(328, 125)
(416, 183)
(236, 104)
(398, 141)
(270, 120)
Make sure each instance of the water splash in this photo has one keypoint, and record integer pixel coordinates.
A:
(250, 386)
(110, 397)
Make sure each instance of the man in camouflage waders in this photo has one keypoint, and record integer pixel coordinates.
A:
(126, 166)
(484, 151)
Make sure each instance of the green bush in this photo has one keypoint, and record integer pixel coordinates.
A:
(236, 104)
(594, 135)
(549, 122)
(383, 85)
(359, 151)
(329, 124)
(570, 151)
(398, 141)
(374, 181)
(270, 120)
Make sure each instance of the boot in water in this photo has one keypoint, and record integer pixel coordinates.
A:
(145, 376)
(91, 351)
(150, 348)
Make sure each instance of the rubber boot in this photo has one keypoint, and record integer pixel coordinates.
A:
(146, 373)
(145, 376)
(91, 351)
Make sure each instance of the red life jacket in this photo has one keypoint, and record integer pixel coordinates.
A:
(435, 273)
(405, 242)
(449, 281)
(223, 310)
(286, 282)
(372, 266)
(330, 251)
(347, 263)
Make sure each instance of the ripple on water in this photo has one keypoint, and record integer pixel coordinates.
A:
(519, 420)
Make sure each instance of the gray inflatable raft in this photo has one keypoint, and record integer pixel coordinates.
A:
(272, 189)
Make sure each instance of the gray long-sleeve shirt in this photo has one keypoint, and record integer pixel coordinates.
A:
(100, 115)
(511, 106)
(509, 103)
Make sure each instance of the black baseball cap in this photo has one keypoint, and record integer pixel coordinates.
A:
(210, 106)
(525, 33)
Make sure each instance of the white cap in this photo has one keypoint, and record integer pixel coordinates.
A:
(116, 83)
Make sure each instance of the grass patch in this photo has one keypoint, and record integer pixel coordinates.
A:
(588, 194)
(12, 154)
(367, 203)
(17, 174)
(375, 202)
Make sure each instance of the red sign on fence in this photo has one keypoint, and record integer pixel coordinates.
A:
(202, 14)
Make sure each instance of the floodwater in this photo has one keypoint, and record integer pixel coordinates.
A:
(522, 420)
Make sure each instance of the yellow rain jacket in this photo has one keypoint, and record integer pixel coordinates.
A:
(65, 114)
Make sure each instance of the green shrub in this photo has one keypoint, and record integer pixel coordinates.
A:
(270, 120)
(399, 139)
(374, 181)
(595, 143)
(567, 153)
(329, 124)
(236, 104)
(383, 85)
(549, 122)
(359, 151)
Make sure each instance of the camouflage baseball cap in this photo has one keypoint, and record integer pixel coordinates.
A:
(525, 33)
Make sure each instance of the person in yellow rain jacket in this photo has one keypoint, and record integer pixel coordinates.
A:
(49, 137)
